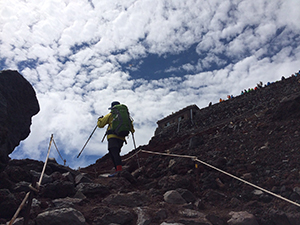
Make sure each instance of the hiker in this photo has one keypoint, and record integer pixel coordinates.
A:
(260, 84)
(116, 139)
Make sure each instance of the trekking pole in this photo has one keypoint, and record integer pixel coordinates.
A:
(104, 136)
(87, 141)
(138, 161)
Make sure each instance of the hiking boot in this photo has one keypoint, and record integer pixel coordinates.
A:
(115, 174)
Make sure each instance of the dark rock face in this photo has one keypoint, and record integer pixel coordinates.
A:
(18, 103)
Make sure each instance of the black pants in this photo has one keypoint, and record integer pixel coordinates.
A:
(114, 149)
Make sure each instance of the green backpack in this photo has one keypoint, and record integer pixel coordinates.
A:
(121, 124)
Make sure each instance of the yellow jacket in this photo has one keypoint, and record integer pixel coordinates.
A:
(107, 119)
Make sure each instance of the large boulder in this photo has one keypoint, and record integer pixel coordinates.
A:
(18, 103)
(60, 217)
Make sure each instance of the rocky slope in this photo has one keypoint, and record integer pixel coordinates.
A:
(254, 136)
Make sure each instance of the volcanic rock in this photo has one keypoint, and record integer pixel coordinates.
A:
(8, 204)
(18, 103)
(90, 189)
(173, 197)
(61, 217)
(120, 216)
(242, 218)
(132, 199)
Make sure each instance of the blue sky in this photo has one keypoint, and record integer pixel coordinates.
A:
(156, 56)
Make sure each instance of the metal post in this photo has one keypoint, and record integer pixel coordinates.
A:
(178, 127)
(192, 116)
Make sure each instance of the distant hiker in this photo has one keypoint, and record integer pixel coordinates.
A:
(260, 84)
(119, 126)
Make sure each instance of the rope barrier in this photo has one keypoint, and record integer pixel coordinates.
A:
(168, 154)
(246, 182)
(132, 156)
(194, 158)
(159, 153)
(31, 187)
(59, 153)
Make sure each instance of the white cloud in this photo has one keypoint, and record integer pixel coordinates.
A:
(71, 52)
(288, 15)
